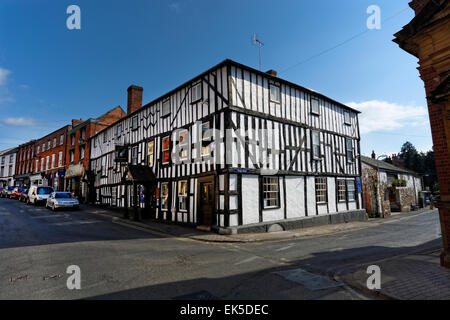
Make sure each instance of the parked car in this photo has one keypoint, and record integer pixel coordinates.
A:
(58, 200)
(16, 193)
(7, 191)
(38, 195)
(24, 195)
(1, 190)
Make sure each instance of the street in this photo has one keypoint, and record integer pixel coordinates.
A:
(123, 262)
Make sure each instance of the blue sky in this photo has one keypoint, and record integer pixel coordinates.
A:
(49, 74)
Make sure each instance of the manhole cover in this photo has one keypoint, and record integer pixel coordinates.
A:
(310, 280)
(200, 295)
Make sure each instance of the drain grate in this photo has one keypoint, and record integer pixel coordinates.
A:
(310, 280)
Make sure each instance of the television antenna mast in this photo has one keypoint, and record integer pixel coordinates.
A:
(258, 43)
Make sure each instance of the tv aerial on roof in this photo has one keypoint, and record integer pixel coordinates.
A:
(258, 43)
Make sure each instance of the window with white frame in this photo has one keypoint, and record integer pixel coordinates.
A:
(351, 190)
(321, 189)
(61, 139)
(82, 153)
(60, 159)
(315, 144)
(315, 106)
(164, 196)
(104, 166)
(38, 149)
(342, 191)
(275, 95)
(349, 149)
(43, 147)
(71, 153)
(165, 108)
(347, 117)
(37, 166)
(83, 134)
(182, 195)
(134, 123)
(165, 150)
(54, 142)
(53, 160)
(271, 192)
(48, 145)
(42, 164)
(151, 153)
(183, 144)
(196, 92)
(206, 138)
(134, 155)
(47, 166)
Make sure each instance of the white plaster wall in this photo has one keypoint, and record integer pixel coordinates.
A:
(233, 220)
(322, 209)
(276, 214)
(295, 199)
(342, 206)
(331, 195)
(311, 196)
(250, 196)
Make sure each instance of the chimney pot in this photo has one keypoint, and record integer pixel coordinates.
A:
(134, 98)
(272, 72)
(373, 154)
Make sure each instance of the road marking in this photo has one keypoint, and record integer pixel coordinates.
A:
(286, 248)
(246, 260)
(51, 216)
(5, 214)
(74, 223)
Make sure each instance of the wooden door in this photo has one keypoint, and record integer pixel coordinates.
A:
(206, 202)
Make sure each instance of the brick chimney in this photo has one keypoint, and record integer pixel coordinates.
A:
(134, 98)
(417, 5)
(373, 154)
(272, 72)
(76, 122)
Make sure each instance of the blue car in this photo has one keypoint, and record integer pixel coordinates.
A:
(6, 192)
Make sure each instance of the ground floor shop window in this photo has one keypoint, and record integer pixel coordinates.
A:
(182, 195)
(321, 190)
(351, 190)
(165, 196)
(342, 191)
(271, 192)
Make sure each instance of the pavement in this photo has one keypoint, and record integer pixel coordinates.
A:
(415, 276)
(119, 260)
(194, 234)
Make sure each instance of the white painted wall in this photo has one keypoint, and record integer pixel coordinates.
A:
(250, 198)
(295, 199)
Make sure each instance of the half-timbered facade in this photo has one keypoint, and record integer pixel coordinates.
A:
(230, 149)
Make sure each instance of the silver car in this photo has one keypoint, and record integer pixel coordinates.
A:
(59, 200)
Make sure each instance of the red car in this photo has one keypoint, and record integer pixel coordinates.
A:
(24, 196)
(16, 193)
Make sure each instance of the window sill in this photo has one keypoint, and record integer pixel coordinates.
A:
(272, 208)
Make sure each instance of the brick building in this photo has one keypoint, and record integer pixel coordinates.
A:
(78, 146)
(7, 167)
(24, 163)
(427, 38)
(49, 163)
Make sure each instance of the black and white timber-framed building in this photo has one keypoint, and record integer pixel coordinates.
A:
(230, 149)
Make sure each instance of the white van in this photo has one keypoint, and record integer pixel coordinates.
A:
(38, 194)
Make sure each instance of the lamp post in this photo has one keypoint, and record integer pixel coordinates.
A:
(380, 210)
